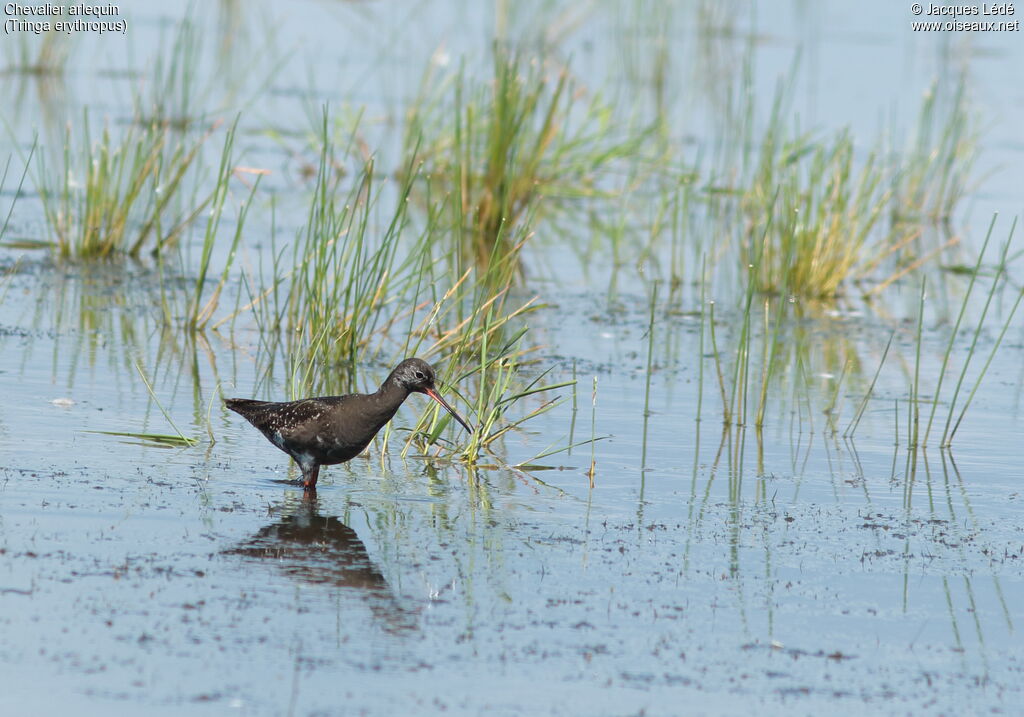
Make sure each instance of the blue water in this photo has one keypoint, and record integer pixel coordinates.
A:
(793, 572)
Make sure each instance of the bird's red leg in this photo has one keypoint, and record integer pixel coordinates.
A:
(309, 478)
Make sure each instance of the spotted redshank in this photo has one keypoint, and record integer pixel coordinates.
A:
(333, 429)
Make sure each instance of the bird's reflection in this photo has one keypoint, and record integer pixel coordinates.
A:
(321, 550)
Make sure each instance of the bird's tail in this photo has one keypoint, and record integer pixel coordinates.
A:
(242, 406)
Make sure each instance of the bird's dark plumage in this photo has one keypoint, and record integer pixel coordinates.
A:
(335, 429)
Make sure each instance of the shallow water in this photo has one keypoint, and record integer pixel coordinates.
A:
(194, 580)
(704, 573)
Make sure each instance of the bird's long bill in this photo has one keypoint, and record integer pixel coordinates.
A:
(437, 397)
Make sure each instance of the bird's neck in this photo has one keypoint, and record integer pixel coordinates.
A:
(391, 395)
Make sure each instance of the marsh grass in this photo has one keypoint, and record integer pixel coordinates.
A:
(498, 383)
(764, 344)
(17, 192)
(811, 217)
(115, 194)
(917, 427)
(164, 440)
(999, 281)
(506, 146)
(851, 429)
(182, 439)
(592, 469)
(839, 212)
(821, 211)
(935, 173)
(199, 309)
(734, 389)
(914, 412)
(367, 280)
(175, 440)
(648, 374)
(480, 326)
(338, 298)
(169, 94)
(919, 423)
(368, 284)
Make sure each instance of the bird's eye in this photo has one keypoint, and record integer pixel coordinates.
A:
(420, 376)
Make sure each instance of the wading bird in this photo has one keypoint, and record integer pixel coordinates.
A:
(333, 429)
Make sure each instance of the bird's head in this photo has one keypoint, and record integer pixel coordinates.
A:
(417, 376)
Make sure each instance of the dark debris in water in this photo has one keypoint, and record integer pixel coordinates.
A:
(796, 653)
